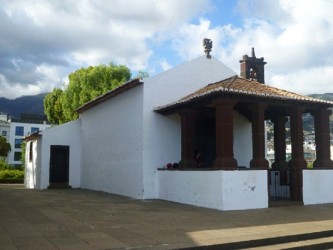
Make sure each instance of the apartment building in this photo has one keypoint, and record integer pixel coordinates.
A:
(15, 129)
(4, 126)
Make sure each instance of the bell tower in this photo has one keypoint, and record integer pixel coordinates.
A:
(253, 68)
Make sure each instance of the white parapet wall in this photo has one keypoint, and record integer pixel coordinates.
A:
(217, 189)
(317, 186)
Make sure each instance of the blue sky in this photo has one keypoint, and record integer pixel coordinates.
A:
(42, 41)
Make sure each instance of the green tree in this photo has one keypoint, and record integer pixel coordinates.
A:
(23, 148)
(142, 74)
(4, 147)
(53, 107)
(84, 85)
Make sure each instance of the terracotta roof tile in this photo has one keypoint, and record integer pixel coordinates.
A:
(241, 86)
(33, 136)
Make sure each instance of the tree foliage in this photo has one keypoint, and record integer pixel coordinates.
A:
(23, 148)
(4, 147)
(53, 106)
(84, 85)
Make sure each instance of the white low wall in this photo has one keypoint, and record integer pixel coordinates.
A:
(317, 186)
(223, 190)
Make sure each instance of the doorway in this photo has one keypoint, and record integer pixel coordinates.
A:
(59, 166)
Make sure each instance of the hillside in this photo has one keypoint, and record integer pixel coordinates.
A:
(326, 96)
(34, 104)
(25, 104)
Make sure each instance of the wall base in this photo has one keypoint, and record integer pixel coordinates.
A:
(317, 186)
(219, 189)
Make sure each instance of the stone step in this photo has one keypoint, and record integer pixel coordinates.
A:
(313, 240)
(321, 243)
(59, 186)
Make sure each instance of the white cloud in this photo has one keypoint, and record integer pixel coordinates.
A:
(294, 36)
(72, 34)
(50, 77)
(306, 81)
(42, 41)
(164, 64)
(12, 90)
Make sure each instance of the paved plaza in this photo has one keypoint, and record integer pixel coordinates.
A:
(83, 219)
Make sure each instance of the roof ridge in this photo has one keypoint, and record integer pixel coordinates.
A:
(233, 78)
(107, 95)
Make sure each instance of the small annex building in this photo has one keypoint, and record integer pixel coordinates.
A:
(123, 140)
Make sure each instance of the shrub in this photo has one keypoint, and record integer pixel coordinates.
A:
(4, 165)
(11, 174)
(309, 164)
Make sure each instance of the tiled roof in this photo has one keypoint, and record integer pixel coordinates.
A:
(241, 86)
(33, 136)
(102, 98)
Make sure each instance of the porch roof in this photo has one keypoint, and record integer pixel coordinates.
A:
(241, 87)
(33, 136)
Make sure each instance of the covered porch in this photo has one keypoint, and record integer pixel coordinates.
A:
(208, 126)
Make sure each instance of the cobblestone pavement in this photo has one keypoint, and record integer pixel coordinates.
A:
(83, 219)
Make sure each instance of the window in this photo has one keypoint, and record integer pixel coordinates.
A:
(30, 152)
(4, 133)
(18, 143)
(17, 156)
(33, 130)
(19, 130)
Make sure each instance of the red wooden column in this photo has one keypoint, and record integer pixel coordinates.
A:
(322, 133)
(187, 139)
(258, 136)
(224, 134)
(297, 161)
(280, 162)
(280, 142)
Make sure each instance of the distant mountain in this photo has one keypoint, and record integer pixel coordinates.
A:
(308, 122)
(34, 104)
(326, 96)
(25, 104)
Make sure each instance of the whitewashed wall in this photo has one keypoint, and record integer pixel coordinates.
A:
(112, 145)
(161, 135)
(225, 190)
(68, 134)
(32, 169)
(317, 186)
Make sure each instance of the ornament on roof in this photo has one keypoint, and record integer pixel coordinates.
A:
(208, 45)
(253, 75)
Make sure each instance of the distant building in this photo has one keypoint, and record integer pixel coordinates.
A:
(30, 118)
(14, 130)
(309, 153)
(4, 126)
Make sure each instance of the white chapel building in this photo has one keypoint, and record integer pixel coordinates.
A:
(123, 140)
